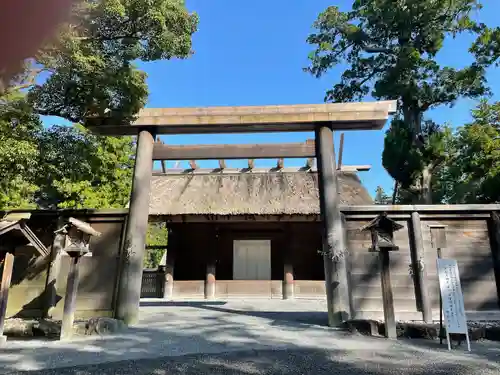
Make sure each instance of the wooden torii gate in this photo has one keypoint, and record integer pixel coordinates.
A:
(323, 119)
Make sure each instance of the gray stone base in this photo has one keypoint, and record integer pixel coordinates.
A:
(415, 330)
(52, 328)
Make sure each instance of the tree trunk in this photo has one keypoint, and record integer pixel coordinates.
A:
(395, 193)
(412, 116)
(425, 185)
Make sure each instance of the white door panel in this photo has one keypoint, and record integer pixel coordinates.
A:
(252, 260)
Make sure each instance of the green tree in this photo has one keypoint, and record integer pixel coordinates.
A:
(413, 168)
(472, 174)
(91, 66)
(156, 243)
(486, 48)
(381, 197)
(18, 151)
(78, 169)
(390, 49)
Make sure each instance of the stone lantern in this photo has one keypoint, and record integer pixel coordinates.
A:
(78, 235)
(382, 229)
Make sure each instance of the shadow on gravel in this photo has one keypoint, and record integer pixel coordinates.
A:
(231, 347)
(292, 361)
(281, 317)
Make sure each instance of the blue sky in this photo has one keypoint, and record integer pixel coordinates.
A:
(253, 52)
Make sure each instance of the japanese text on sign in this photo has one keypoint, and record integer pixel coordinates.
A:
(452, 297)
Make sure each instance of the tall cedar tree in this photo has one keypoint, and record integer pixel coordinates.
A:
(390, 49)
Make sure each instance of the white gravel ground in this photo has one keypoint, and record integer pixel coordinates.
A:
(243, 337)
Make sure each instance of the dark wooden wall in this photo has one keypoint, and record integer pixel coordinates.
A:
(195, 241)
(472, 239)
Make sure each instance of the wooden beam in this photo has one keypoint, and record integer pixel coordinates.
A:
(310, 163)
(242, 151)
(248, 119)
(333, 241)
(8, 266)
(222, 164)
(70, 299)
(494, 232)
(132, 255)
(355, 168)
(419, 269)
(54, 268)
(341, 151)
(280, 164)
(251, 166)
(435, 208)
(163, 166)
(387, 295)
(193, 165)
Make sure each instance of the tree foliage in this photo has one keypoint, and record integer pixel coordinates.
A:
(19, 152)
(91, 66)
(413, 168)
(89, 69)
(486, 48)
(156, 242)
(472, 174)
(81, 170)
(59, 166)
(390, 48)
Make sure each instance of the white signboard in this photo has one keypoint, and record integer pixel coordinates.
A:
(453, 299)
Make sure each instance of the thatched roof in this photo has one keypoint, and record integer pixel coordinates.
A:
(267, 193)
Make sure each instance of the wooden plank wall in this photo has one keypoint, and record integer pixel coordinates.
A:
(365, 273)
(96, 287)
(468, 242)
(98, 273)
(470, 239)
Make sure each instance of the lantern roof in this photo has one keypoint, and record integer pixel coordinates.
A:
(382, 223)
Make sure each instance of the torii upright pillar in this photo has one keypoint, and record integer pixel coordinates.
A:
(334, 246)
(129, 292)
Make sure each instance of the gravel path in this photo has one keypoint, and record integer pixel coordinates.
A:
(281, 362)
(243, 337)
